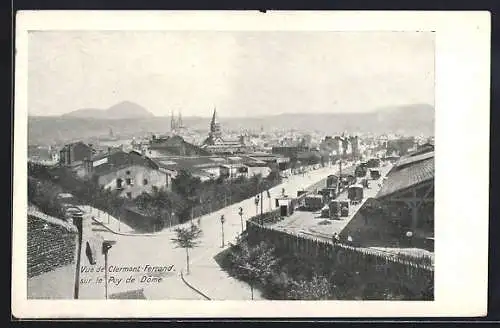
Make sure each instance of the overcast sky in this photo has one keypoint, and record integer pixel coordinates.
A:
(241, 73)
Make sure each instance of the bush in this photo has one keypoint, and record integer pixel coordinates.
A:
(43, 194)
(288, 275)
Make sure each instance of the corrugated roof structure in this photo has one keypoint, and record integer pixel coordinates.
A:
(407, 173)
(414, 158)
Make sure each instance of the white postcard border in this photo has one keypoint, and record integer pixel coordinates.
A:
(462, 161)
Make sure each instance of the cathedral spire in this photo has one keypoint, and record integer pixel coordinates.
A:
(215, 129)
(172, 121)
(214, 117)
(179, 119)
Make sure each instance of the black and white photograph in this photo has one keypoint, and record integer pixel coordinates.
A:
(231, 165)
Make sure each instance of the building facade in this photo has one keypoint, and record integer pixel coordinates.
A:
(130, 173)
(133, 180)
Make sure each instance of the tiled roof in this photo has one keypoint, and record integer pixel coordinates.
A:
(403, 177)
(120, 160)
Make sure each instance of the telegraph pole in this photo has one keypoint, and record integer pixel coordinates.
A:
(77, 221)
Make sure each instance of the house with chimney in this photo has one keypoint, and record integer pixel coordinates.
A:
(75, 153)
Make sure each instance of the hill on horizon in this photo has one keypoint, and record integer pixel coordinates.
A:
(411, 119)
(122, 110)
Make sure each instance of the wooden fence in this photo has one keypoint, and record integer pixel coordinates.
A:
(413, 273)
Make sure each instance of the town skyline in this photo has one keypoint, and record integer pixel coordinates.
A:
(236, 72)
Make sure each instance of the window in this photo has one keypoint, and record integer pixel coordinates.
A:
(145, 182)
(119, 183)
(128, 172)
(129, 195)
(129, 181)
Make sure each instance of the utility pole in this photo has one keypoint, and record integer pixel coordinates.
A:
(106, 246)
(78, 222)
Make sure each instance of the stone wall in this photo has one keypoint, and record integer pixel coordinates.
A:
(50, 246)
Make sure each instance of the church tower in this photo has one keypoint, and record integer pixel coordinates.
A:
(215, 128)
(172, 122)
(179, 120)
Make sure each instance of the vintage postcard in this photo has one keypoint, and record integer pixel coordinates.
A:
(247, 164)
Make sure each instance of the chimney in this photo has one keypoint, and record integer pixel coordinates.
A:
(88, 166)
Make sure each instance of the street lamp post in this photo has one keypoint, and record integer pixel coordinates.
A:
(106, 246)
(222, 220)
(78, 222)
(241, 218)
(257, 205)
(261, 205)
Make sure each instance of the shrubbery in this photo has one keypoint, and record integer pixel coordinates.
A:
(43, 194)
(287, 275)
(209, 196)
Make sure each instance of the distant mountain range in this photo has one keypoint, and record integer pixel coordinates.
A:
(411, 119)
(123, 110)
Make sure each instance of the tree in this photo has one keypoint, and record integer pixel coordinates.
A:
(274, 175)
(160, 203)
(255, 264)
(143, 201)
(187, 238)
(116, 203)
(185, 184)
(316, 289)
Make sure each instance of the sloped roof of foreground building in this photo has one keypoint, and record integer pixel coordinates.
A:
(120, 160)
(410, 171)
